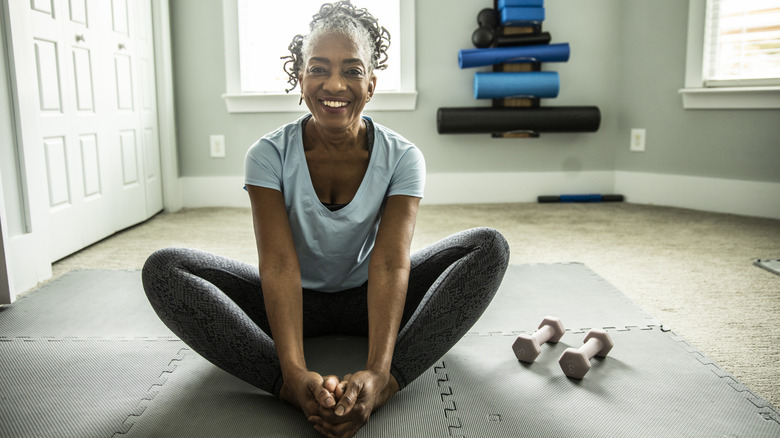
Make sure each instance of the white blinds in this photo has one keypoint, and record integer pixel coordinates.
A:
(742, 43)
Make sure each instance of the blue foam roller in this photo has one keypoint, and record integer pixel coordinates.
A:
(519, 3)
(581, 198)
(498, 85)
(496, 55)
(521, 15)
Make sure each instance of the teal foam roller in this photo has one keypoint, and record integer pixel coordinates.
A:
(498, 85)
(521, 15)
(496, 55)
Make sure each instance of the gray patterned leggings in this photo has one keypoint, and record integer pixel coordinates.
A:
(215, 305)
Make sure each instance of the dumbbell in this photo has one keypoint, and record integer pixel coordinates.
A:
(575, 362)
(528, 347)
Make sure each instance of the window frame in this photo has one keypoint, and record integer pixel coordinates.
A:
(696, 95)
(237, 101)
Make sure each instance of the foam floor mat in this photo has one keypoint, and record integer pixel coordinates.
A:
(651, 384)
(86, 356)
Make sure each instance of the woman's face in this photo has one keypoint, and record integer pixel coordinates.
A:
(336, 83)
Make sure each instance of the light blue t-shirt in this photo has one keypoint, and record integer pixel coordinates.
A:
(334, 247)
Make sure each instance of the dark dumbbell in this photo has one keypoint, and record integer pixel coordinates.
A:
(575, 362)
(528, 347)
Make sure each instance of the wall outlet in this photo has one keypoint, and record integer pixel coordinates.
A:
(638, 140)
(217, 146)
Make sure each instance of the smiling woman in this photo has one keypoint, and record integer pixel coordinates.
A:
(334, 202)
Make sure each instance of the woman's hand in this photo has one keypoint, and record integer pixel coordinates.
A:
(307, 391)
(358, 395)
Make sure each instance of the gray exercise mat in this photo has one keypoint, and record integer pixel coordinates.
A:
(78, 388)
(200, 400)
(86, 356)
(85, 304)
(652, 384)
(572, 292)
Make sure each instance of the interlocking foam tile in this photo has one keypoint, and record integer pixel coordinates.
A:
(66, 371)
(652, 384)
(572, 292)
(200, 399)
(106, 304)
(78, 388)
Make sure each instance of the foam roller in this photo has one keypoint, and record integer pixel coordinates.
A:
(528, 39)
(540, 53)
(521, 15)
(580, 198)
(499, 85)
(519, 3)
(489, 120)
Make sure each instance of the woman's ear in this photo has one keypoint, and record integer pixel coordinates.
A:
(372, 85)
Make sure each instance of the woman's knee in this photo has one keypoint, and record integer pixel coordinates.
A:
(491, 244)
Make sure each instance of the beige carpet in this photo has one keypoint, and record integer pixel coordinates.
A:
(691, 270)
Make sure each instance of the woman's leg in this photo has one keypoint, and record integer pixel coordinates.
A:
(215, 305)
(451, 283)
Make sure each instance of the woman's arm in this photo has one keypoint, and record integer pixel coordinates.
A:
(388, 279)
(280, 276)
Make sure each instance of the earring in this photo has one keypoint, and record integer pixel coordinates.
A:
(369, 99)
(301, 101)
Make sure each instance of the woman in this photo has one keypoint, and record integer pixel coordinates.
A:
(334, 201)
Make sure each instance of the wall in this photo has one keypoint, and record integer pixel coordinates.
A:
(628, 58)
(587, 79)
(727, 144)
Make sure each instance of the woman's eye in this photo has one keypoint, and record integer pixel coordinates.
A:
(317, 70)
(355, 72)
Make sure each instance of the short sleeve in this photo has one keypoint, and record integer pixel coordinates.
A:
(263, 165)
(409, 176)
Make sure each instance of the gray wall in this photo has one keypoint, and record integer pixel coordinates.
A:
(729, 144)
(628, 58)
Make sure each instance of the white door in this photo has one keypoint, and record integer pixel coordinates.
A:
(79, 60)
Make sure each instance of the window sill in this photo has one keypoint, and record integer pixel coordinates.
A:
(280, 103)
(731, 98)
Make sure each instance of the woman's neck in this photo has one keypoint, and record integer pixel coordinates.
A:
(316, 136)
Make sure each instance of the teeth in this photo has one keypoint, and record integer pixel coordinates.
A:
(334, 104)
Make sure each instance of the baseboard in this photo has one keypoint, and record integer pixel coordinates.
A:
(749, 198)
(440, 188)
(477, 188)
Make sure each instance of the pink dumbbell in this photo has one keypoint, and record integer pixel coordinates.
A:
(575, 362)
(528, 347)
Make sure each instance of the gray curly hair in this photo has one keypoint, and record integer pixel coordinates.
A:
(371, 39)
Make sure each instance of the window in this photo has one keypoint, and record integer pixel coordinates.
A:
(733, 54)
(742, 43)
(257, 34)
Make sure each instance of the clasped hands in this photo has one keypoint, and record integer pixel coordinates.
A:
(339, 408)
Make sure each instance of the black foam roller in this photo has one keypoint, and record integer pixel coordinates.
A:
(523, 39)
(489, 120)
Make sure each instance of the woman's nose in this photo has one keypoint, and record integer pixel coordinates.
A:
(334, 83)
